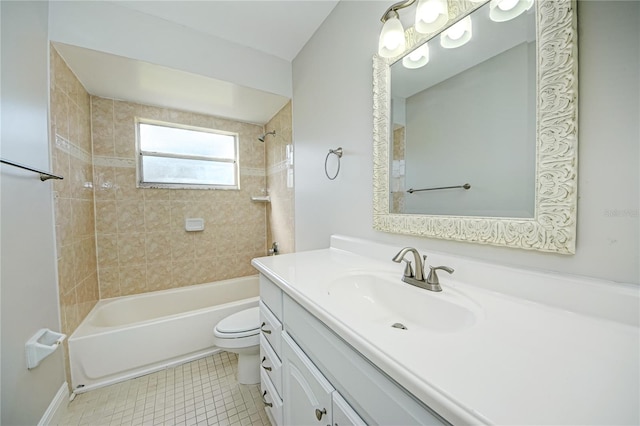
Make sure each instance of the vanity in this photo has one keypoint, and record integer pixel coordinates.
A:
(345, 341)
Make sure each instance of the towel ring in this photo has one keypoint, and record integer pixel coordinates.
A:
(337, 152)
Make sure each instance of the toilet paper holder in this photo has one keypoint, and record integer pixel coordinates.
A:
(41, 345)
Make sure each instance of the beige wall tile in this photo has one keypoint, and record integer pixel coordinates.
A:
(131, 249)
(133, 279)
(85, 263)
(74, 212)
(280, 214)
(182, 247)
(125, 187)
(156, 194)
(82, 218)
(61, 166)
(64, 220)
(158, 247)
(172, 257)
(109, 279)
(66, 272)
(102, 126)
(107, 250)
(157, 216)
(159, 276)
(104, 183)
(183, 273)
(130, 216)
(74, 123)
(124, 129)
(106, 217)
(60, 112)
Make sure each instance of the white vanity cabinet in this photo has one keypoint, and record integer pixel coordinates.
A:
(270, 349)
(319, 379)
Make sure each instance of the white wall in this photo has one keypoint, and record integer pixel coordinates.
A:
(29, 289)
(108, 27)
(332, 105)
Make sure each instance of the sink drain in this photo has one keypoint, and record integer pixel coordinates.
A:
(399, 325)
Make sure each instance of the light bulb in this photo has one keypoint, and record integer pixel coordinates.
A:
(415, 55)
(391, 42)
(418, 58)
(457, 30)
(505, 10)
(457, 35)
(507, 4)
(430, 11)
(431, 15)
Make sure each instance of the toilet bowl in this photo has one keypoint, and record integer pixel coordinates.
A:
(240, 333)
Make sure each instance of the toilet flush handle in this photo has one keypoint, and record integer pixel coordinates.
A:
(263, 330)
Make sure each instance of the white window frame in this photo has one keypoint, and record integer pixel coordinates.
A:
(140, 154)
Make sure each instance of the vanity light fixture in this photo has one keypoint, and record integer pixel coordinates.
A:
(505, 10)
(431, 15)
(391, 41)
(418, 58)
(457, 35)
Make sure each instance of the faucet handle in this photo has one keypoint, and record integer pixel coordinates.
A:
(433, 276)
(408, 270)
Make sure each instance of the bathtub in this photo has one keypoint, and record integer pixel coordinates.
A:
(131, 336)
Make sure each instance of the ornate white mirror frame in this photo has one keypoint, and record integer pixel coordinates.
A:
(553, 227)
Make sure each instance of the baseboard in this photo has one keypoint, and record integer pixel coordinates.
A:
(58, 404)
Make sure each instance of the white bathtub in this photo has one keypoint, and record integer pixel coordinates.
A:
(130, 336)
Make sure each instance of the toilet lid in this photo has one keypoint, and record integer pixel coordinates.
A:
(247, 320)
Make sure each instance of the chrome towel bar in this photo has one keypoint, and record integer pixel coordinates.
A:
(465, 186)
(43, 175)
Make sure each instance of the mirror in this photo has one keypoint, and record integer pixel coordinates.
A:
(498, 115)
(466, 120)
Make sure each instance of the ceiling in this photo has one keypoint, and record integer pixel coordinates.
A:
(276, 28)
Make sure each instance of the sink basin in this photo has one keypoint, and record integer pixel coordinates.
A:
(390, 302)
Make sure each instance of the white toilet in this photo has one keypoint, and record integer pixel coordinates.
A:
(240, 333)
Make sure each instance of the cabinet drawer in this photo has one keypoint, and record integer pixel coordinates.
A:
(270, 328)
(271, 399)
(270, 364)
(271, 296)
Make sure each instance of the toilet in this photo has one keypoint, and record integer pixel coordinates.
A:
(240, 333)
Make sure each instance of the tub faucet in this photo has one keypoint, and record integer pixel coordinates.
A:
(274, 249)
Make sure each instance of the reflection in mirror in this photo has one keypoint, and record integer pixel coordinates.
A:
(467, 116)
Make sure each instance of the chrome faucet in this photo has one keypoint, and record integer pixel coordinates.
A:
(409, 277)
(417, 279)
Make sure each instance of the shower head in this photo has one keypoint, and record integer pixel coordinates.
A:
(261, 138)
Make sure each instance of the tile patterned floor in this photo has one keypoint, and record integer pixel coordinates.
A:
(202, 392)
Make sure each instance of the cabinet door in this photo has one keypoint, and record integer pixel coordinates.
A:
(343, 414)
(306, 393)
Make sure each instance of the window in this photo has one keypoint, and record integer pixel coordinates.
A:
(176, 156)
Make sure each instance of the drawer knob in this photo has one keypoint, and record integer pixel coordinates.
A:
(264, 401)
(264, 358)
(319, 413)
(263, 330)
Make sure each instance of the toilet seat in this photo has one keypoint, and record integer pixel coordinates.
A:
(241, 324)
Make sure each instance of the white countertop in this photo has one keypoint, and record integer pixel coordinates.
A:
(522, 362)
